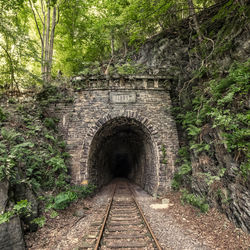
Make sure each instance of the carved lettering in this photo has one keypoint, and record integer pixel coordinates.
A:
(122, 97)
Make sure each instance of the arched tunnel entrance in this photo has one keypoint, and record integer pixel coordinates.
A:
(123, 147)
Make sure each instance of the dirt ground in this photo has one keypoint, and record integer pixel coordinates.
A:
(176, 227)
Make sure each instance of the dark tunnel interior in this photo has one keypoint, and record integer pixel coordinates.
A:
(122, 166)
(122, 148)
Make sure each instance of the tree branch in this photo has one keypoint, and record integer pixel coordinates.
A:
(11, 69)
(38, 29)
(38, 14)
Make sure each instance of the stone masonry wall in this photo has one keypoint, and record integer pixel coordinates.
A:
(141, 98)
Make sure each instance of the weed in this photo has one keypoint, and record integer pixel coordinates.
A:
(40, 221)
(64, 199)
(50, 123)
(195, 200)
(3, 115)
(20, 208)
(184, 168)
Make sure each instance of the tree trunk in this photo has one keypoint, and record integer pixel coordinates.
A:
(42, 42)
(46, 66)
(125, 48)
(193, 14)
(46, 35)
(112, 45)
(51, 44)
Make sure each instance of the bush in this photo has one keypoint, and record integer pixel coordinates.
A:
(50, 123)
(3, 115)
(195, 200)
(184, 170)
(64, 199)
(22, 207)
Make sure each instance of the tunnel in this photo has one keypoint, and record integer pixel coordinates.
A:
(123, 148)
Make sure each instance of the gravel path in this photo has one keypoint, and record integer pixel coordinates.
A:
(165, 227)
(175, 226)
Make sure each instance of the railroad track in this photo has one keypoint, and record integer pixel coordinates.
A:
(124, 225)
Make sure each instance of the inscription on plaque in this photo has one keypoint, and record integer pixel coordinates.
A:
(121, 97)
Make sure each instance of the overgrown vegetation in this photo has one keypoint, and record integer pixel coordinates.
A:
(222, 105)
(21, 207)
(32, 154)
(102, 37)
(212, 112)
(195, 200)
(184, 169)
(35, 50)
(72, 193)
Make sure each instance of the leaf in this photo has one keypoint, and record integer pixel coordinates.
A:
(53, 214)
(40, 221)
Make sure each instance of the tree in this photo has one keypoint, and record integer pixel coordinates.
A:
(72, 37)
(46, 29)
(193, 14)
(16, 48)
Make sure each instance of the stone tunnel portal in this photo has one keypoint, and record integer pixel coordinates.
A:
(122, 147)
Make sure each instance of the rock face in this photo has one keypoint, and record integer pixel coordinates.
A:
(23, 192)
(240, 205)
(11, 236)
(4, 187)
(171, 53)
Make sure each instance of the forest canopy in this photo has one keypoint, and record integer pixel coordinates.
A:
(39, 38)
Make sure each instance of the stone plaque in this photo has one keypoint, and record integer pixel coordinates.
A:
(122, 97)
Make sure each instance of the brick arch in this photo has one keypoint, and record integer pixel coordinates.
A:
(143, 123)
(129, 114)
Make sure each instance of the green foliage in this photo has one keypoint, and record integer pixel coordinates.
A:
(195, 200)
(235, 126)
(184, 168)
(245, 168)
(221, 104)
(128, 69)
(164, 154)
(83, 191)
(193, 130)
(37, 162)
(40, 221)
(17, 49)
(53, 214)
(11, 135)
(89, 31)
(200, 147)
(223, 195)
(64, 199)
(33, 154)
(50, 123)
(52, 94)
(3, 115)
(211, 178)
(20, 208)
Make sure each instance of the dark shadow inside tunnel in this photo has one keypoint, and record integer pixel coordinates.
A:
(122, 166)
(123, 148)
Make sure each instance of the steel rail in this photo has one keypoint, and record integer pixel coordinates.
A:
(141, 213)
(145, 220)
(105, 219)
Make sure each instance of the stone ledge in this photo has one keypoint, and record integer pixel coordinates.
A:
(131, 82)
(110, 77)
